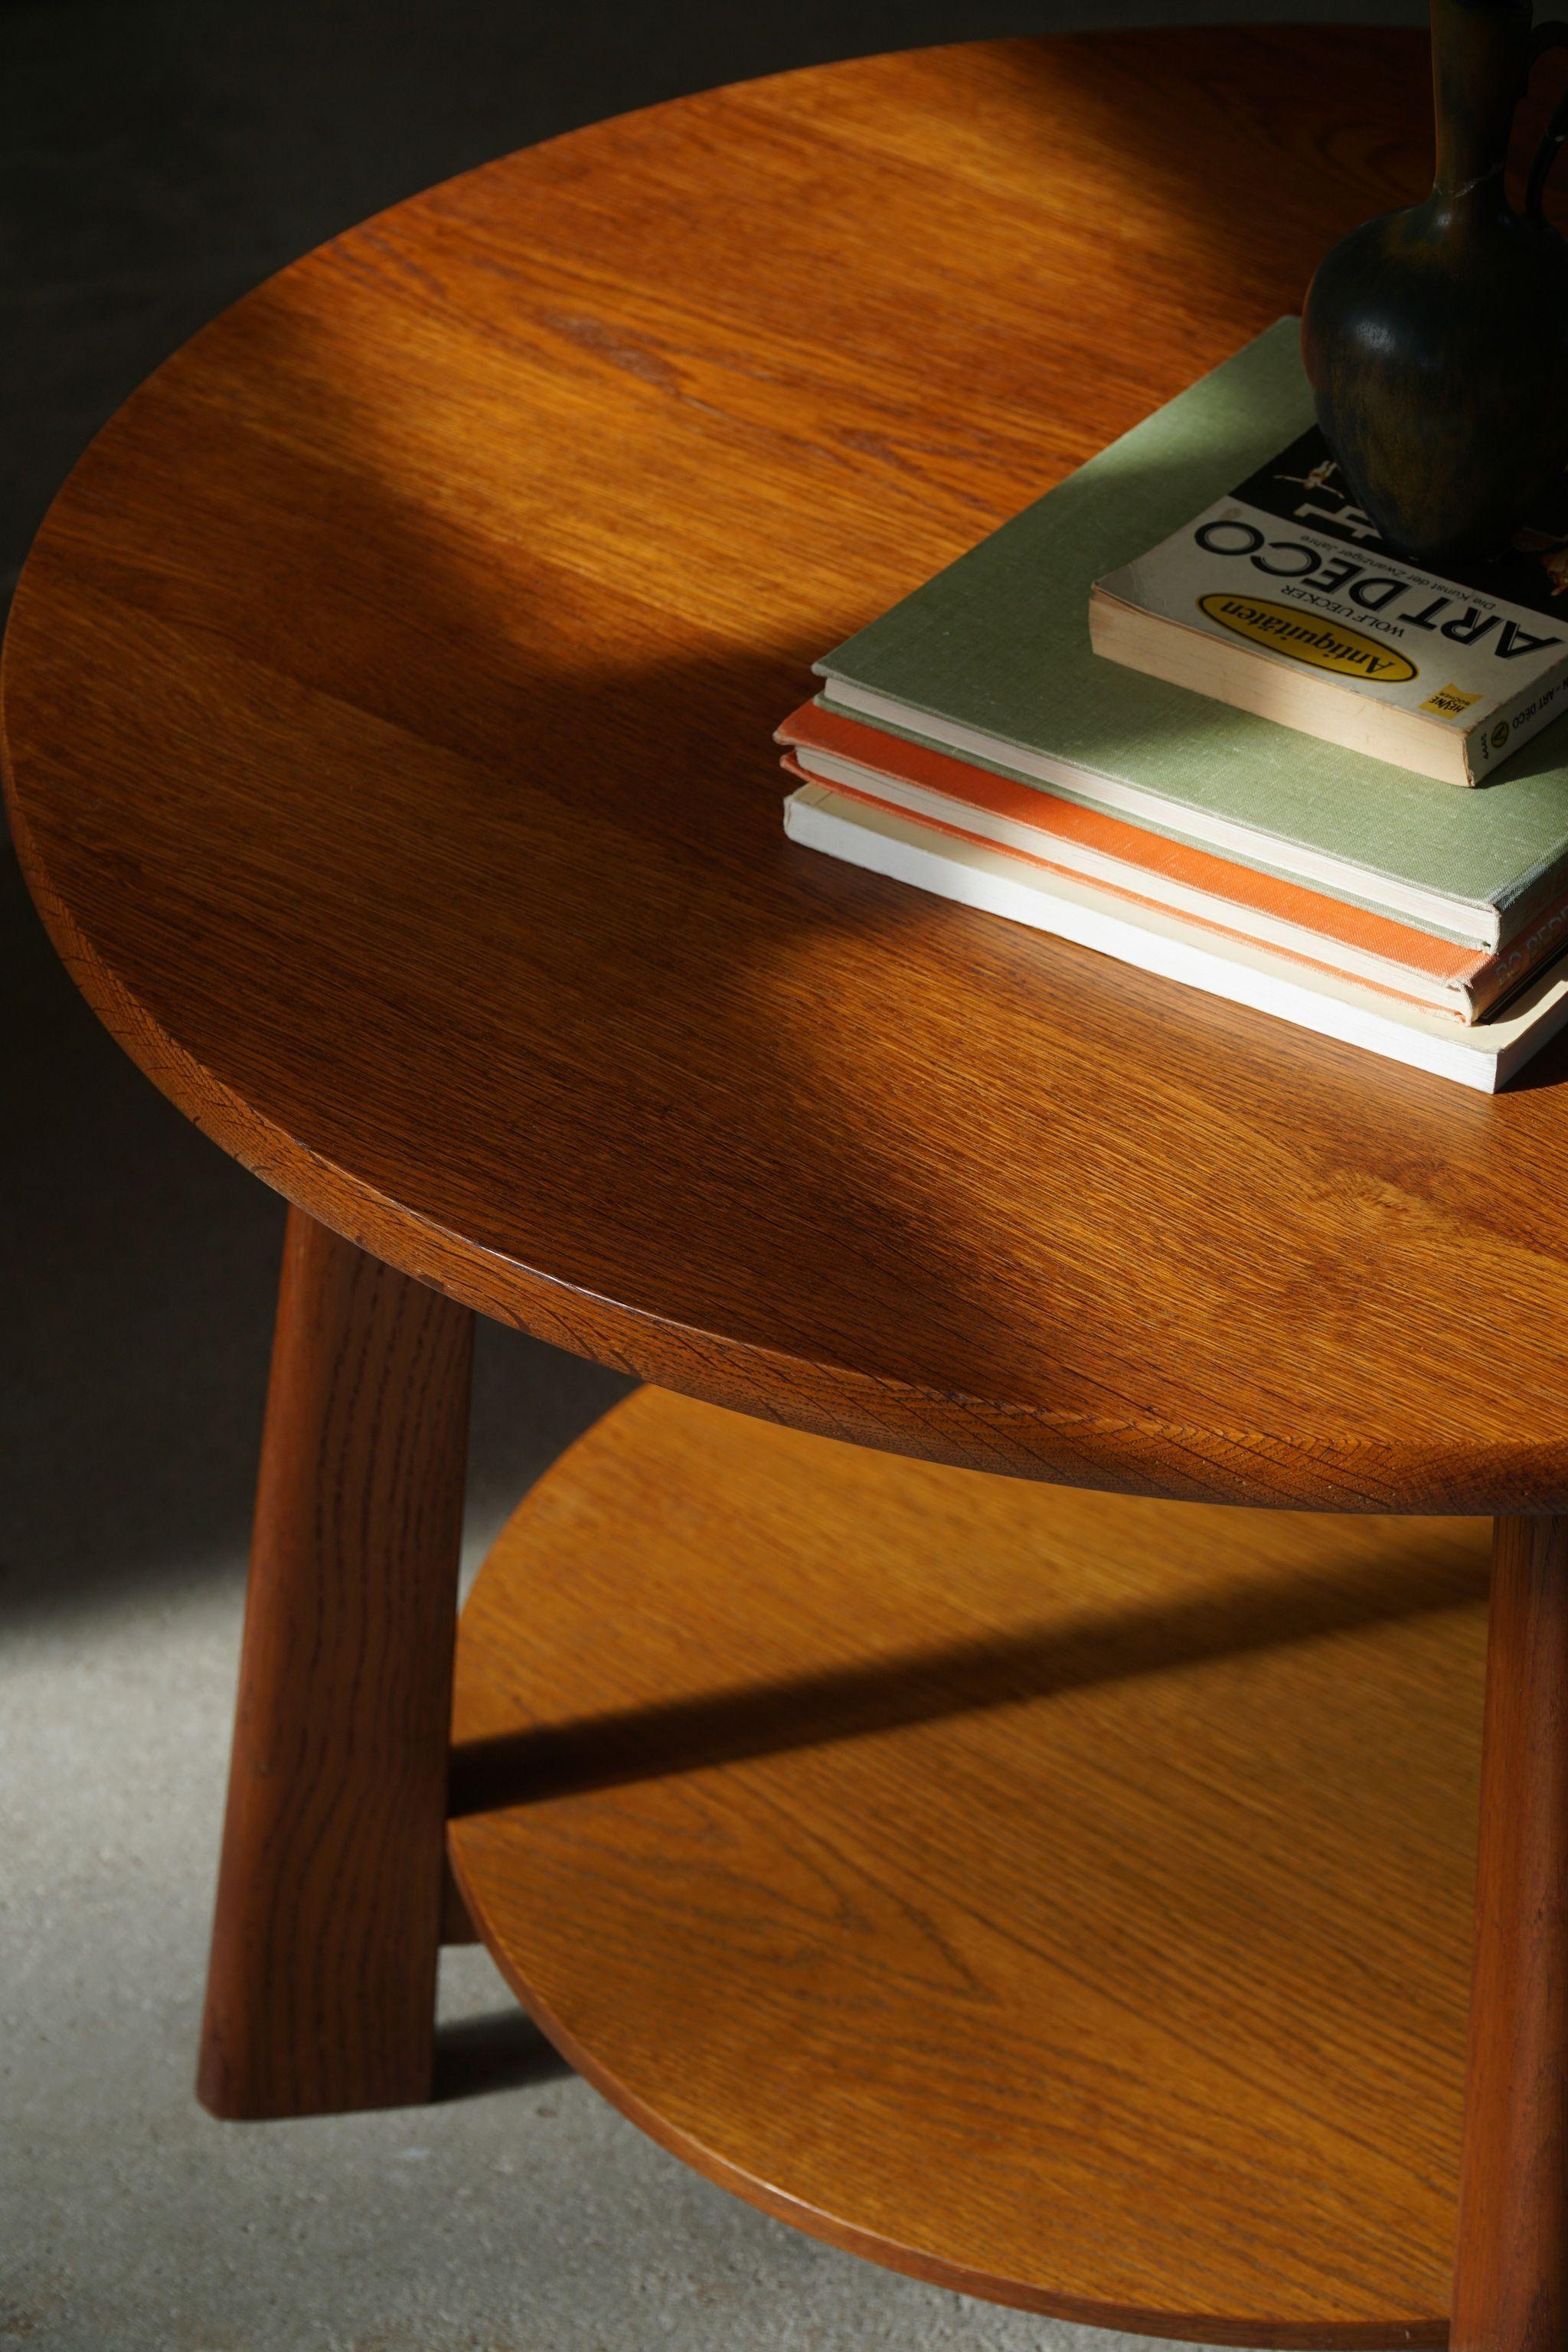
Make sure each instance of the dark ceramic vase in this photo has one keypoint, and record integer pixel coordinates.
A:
(1436, 339)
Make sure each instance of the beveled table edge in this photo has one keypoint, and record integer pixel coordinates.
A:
(1129, 1454)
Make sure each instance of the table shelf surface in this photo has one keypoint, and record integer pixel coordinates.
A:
(1066, 1898)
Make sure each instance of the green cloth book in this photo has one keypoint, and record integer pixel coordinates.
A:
(991, 660)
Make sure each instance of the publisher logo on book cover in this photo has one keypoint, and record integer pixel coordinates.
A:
(1282, 629)
(1450, 701)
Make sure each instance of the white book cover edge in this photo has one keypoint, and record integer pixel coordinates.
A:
(1484, 1055)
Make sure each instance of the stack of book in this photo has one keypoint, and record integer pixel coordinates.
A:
(1220, 733)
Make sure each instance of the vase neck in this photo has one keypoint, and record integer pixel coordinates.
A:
(1480, 51)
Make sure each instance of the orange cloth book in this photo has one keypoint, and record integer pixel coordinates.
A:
(933, 787)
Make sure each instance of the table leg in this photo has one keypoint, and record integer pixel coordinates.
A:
(1510, 2285)
(321, 1990)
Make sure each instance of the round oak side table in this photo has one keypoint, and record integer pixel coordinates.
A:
(1058, 1883)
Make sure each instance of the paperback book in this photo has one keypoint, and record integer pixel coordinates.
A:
(1281, 598)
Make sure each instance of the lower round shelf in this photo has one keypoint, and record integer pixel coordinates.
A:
(1062, 1896)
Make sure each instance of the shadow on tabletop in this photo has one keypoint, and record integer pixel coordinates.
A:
(166, 158)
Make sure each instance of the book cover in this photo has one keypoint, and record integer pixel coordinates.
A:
(1282, 596)
(1484, 1055)
(991, 659)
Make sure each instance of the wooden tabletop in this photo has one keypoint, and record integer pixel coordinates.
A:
(387, 715)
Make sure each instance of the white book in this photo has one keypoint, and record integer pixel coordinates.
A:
(1484, 1055)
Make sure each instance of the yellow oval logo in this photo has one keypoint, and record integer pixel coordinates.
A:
(1304, 637)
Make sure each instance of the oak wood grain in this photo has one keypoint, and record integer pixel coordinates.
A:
(387, 711)
(321, 1986)
(1510, 2280)
(1066, 1898)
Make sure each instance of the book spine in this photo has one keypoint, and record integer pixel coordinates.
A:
(819, 728)
(1540, 895)
(1526, 949)
(1503, 731)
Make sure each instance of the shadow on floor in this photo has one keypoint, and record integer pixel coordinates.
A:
(502, 2051)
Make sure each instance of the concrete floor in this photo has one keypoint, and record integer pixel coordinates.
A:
(155, 160)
